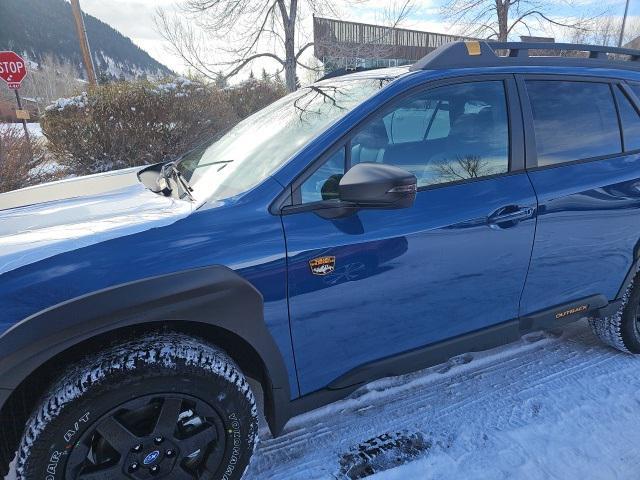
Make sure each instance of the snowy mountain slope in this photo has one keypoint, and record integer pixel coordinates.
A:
(36, 28)
(556, 407)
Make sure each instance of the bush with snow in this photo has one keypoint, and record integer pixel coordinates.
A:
(252, 95)
(126, 124)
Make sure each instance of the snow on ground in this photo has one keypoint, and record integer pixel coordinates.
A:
(34, 129)
(551, 406)
(546, 407)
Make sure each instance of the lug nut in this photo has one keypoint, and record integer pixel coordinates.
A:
(170, 453)
(158, 440)
(133, 467)
(154, 470)
(137, 448)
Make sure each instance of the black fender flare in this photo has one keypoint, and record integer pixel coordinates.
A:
(213, 295)
(631, 274)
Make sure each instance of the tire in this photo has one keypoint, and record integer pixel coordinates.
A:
(164, 406)
(622, 329)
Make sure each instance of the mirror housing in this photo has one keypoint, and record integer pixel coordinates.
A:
(376, 185)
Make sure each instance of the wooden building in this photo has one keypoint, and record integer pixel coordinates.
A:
(343, 44)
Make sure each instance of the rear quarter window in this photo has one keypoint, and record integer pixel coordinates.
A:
(630, 121)
(573, 120)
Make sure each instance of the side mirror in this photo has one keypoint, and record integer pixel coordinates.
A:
(376, 185)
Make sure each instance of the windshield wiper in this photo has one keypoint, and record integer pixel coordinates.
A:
(169, 172)
(224, 163)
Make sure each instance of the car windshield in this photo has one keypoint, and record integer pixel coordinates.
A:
(260, 144)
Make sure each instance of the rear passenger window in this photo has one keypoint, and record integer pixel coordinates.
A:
(573, 120)
(630, 121)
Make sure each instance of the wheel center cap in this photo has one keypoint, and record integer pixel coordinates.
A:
(151, 457)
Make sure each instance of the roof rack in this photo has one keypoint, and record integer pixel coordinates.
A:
(471, 54)
(339, 72)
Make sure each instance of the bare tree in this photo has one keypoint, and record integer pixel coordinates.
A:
(497, 19)
(605, 30)
(52, 79)
(247, 29)
(463, 168)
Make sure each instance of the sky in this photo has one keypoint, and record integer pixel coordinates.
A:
(135, 19)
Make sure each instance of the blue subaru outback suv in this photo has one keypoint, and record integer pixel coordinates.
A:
(368, 225)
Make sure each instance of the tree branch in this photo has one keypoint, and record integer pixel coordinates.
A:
(248, 60)
(301, 51)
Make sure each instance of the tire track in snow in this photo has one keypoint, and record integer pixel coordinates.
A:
(532, 409)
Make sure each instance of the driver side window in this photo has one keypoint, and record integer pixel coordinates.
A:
(446, 134)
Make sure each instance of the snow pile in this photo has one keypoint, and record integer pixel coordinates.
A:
(178, 84)
(80, 101)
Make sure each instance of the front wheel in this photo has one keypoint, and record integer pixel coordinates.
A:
(165, 406)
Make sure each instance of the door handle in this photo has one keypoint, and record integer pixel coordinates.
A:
(509, 216)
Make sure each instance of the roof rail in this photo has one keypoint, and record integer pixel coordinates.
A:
(471, 54)
(339, 72)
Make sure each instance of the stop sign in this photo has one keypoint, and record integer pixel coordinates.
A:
(12, 69)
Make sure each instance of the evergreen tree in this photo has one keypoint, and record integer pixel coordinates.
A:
(221, 80)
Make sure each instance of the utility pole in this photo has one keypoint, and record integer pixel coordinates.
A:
(624, 24)
(87, 59)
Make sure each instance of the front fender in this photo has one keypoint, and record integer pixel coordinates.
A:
(212, 295)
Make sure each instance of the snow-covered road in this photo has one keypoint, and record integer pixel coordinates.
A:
(550, 406)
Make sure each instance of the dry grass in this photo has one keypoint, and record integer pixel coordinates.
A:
(22, 163)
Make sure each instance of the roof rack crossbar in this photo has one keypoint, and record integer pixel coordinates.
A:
(481, 53)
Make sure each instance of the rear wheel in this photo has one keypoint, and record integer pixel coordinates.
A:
(166, 406)
(622, 329)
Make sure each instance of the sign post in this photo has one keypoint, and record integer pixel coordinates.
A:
(13, 69)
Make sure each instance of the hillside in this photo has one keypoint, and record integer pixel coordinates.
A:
(37, 28)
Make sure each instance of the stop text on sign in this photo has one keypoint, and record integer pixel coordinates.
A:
(12, 69)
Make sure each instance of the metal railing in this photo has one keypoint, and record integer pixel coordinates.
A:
(339, 38)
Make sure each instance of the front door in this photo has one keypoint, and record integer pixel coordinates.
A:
(381, 282)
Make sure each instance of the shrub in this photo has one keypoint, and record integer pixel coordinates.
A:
(253, 95)
(126, 124)
(23, 163)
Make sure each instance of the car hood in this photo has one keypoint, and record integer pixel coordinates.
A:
(55, 218)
